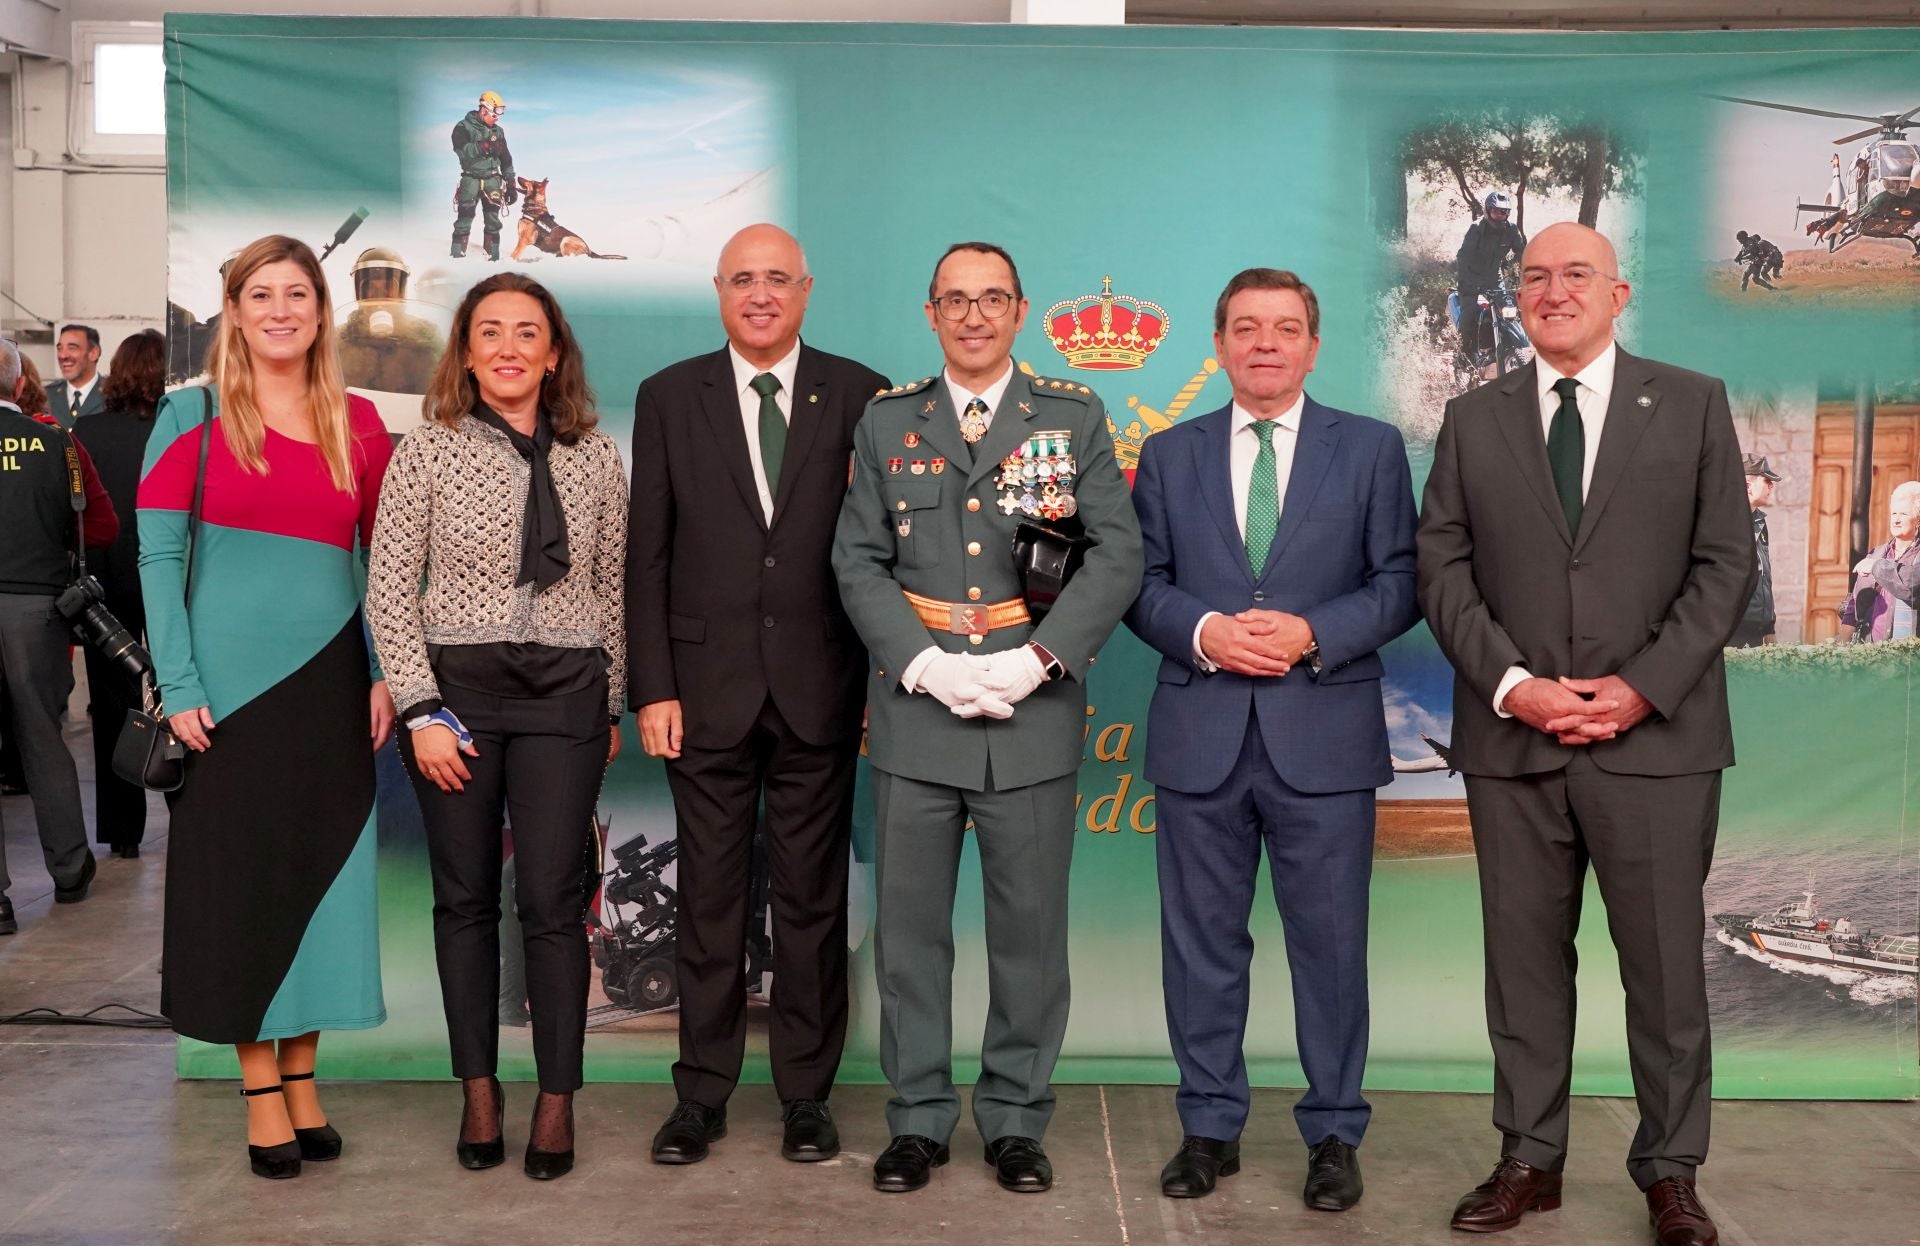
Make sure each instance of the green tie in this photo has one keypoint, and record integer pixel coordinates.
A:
(1567, 451)
(773, 429)
(1263, 499)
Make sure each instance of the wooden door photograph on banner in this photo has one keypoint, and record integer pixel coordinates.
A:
(1830, 538)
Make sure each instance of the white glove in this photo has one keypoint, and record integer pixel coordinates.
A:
(964, 684)
(1021, 671)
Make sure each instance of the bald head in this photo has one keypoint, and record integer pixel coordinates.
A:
(1570, 295)
(763, 286)
(762, 242)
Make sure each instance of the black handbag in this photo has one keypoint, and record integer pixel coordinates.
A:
(147, 754)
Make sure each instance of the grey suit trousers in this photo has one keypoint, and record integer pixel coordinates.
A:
(1025, 837)
(1650, 841)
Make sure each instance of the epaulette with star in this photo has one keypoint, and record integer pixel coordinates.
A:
(1069, 389)
(911, 388)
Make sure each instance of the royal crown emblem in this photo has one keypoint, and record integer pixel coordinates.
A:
(1106, 332)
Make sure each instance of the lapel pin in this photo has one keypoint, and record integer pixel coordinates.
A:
(1027, 408)
(1645, 401)
(813, 398)
(928, 409)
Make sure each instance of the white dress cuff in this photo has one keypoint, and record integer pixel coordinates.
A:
(1515, 676)
(1200, 658)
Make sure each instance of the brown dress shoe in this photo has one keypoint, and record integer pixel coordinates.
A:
(1514, 1189)
(1678, 1219)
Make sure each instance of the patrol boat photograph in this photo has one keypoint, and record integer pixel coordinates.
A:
(1797, 931)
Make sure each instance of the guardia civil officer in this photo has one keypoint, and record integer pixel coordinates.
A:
(976, 711)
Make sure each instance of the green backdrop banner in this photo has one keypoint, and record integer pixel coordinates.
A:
(1131, 171)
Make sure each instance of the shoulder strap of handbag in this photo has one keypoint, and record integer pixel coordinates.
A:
(199, 488)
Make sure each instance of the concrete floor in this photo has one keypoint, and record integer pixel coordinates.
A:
(99, 1144)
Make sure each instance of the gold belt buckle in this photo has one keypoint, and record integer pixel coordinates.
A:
(967, 619)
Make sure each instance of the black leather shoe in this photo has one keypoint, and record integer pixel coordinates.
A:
(547, 1165)
(320, 1143)
(808, 1135)
(907, 1163)
(279, 1161)
(1333, 1176)
(1198, 1165)
(491, 1152)
(78, 892)
(127, 852)
(8, 923)
(1021, 1165)
(684, 1138)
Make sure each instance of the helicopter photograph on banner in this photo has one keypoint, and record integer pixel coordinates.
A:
(1871, 196)
(1855, 239)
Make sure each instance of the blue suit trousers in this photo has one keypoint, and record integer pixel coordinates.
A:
(1320, 851)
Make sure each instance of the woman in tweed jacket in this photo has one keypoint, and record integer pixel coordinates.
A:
(509, 669)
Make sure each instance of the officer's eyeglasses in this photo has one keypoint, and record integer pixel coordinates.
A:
(1574, 280)
(776, 284)
(956, 306)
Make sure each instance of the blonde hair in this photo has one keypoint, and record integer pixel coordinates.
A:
(230, 365)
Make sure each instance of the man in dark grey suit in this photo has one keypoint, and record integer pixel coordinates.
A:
(1584, 554)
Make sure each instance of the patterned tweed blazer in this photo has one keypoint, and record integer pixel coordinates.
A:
(450, 513)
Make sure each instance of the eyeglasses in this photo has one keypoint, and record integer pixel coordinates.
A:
(956, 306)
(1574, 280)
(776, 284)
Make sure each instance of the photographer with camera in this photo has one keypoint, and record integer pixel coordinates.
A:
(37, 491)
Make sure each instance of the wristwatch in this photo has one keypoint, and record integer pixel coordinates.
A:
(1051, 665)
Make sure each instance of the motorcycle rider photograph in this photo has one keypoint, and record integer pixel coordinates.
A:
(486, 174)
(1488, 244)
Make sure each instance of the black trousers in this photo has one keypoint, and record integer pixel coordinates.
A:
(541, 763)
(119, 807)
(1650, 841)
(717, 793)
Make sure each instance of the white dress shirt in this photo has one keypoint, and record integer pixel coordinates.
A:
(1243, 448)
(743, 374)
(961, 396)
(1596, 390)
(77, 395)
(991, 395)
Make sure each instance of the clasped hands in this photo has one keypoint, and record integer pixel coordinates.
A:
(983, 685)
(1577, 711)
(1255, 642)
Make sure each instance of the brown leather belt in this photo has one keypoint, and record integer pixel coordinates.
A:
(968, 618)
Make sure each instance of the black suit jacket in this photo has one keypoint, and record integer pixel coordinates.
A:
(723, 608)
(1650, 587)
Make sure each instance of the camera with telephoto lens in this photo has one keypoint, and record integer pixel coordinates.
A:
(83, 605)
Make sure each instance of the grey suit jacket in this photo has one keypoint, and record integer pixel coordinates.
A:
(60, 401)
(1650, 587)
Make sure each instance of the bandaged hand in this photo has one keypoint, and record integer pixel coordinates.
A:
(965, 684)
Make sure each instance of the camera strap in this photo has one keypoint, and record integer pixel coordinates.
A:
(77, 494)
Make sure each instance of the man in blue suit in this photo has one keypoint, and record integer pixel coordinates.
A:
(1279, 541)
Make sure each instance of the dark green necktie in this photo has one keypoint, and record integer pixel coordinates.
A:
(1567, 450)
(1263, 499)
(773, 429)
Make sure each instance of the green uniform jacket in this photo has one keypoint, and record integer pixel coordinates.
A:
(482, 149)
(914, 532)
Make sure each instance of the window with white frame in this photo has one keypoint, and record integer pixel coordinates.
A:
(119, 97)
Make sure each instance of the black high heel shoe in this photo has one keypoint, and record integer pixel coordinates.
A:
(479, 1155)
(546, 1165)
(277, 1162)
(322, 1142)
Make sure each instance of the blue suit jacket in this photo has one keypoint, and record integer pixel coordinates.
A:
(1343, 559)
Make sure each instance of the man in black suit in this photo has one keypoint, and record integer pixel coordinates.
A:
(750, 681)
(1584, 555)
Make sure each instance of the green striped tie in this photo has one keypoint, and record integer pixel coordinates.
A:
(1263, 499)
(1567, 451)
